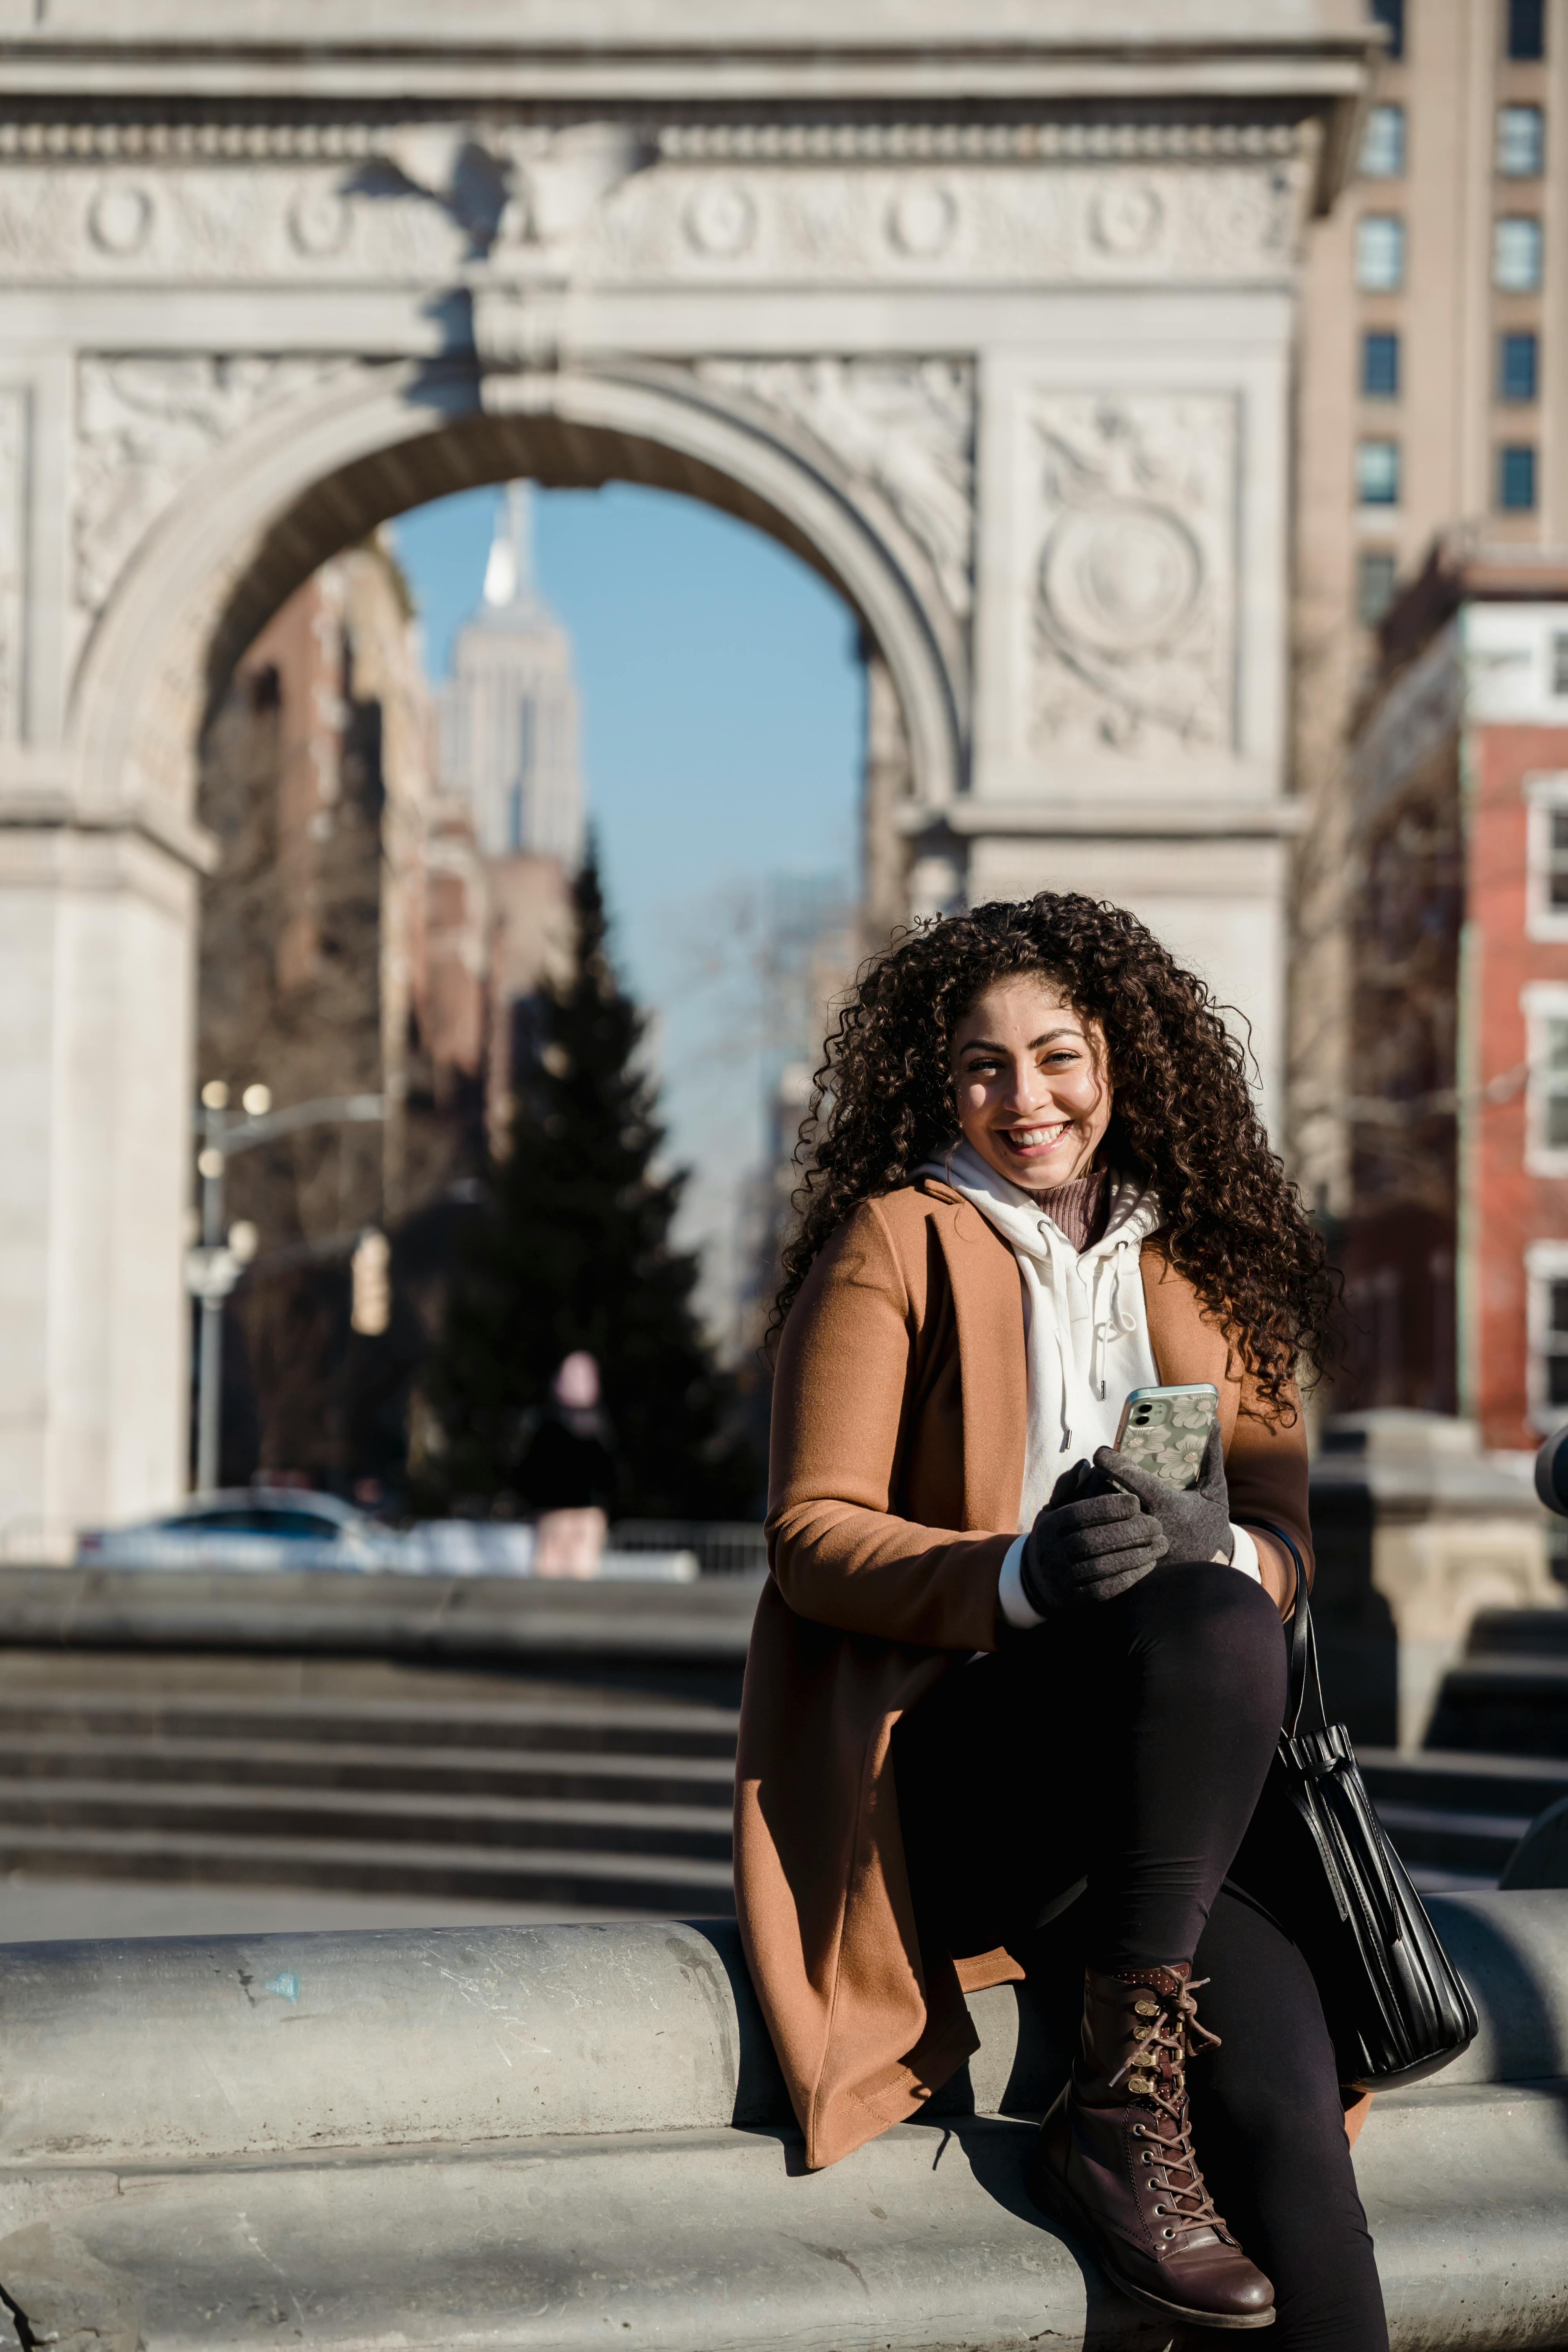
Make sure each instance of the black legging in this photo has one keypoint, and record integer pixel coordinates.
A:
(1126, 1743)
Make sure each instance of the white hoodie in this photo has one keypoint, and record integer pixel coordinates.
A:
(1086, 1333)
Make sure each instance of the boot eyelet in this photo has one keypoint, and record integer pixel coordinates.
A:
(1167, 2233)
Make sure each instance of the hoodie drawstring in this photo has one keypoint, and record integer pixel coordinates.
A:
(1061, 1319)
(1113, 1316)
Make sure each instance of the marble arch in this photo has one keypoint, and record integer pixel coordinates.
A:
(985, 307)
(322, 461)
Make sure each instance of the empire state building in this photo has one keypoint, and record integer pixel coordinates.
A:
(508, 717)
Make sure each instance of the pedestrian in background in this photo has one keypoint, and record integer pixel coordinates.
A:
(567, 1473)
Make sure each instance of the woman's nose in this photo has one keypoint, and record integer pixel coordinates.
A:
(1027, 1090)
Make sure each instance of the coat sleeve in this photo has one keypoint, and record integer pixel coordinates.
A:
(842, 1391)
(1265, 1471)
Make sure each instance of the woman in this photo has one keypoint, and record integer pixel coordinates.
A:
(568, 1473)
(1009, 1699)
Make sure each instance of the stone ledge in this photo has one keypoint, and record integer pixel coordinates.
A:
(555, 2136)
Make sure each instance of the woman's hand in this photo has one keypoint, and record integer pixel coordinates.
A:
(1197, 1523)
(1090, 1543)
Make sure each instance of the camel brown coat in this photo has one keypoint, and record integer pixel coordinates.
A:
(897, 1467)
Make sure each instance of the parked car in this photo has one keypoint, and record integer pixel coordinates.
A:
(247, 1526)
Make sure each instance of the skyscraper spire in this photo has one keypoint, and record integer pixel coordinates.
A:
(508, 711)
(509, 574)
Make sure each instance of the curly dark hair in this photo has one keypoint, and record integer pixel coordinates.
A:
(1182, 1117)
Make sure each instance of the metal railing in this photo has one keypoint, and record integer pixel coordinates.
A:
(723, 1547)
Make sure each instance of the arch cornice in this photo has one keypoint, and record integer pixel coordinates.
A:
(318, 468)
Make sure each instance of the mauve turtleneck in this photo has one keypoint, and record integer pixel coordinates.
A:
(1080, 1209)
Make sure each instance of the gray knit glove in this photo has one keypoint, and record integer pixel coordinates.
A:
(1090, 1543)
(1197, 1524)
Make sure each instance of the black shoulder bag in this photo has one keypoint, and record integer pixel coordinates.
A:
(1316, 1858)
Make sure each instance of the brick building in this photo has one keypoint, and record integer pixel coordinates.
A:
(1431, 395)
(1456, 1253)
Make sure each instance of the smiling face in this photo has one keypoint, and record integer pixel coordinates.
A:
(1029, 1076)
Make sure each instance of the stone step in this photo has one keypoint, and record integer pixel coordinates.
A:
(687, 1640)
(1518, 1632)
(1466, 1846)
(1458, 1783)
(1503, 1706)
(395, 1818)
(704, 2239)
(661, 1882)
(436, 1772)
(579, 1724)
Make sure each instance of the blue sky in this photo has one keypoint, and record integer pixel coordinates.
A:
(722, 733)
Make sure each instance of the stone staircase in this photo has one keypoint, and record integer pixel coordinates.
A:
(365, 1777)
(584, 1766)
(362, 1775)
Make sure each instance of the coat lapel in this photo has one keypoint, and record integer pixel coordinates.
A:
(988, 1310)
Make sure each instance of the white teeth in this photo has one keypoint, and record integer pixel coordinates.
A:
(1025, 1138)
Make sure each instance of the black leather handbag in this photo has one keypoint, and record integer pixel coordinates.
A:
(1317, 1860)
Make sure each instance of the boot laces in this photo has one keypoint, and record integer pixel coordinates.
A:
(1166, 2042)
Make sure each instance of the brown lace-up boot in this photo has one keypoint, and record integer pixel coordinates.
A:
(1115, 2161)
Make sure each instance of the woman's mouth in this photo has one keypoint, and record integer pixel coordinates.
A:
(1032, 1142)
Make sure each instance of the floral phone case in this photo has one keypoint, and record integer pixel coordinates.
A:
(1165, 1430)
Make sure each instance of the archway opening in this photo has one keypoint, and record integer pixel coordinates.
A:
(722, 749)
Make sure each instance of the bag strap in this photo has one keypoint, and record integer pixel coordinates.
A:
(1303, 1637)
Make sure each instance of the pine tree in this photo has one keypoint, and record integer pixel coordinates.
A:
(574, 1251)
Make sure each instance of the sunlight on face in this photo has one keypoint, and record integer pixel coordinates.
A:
(1029, 1076)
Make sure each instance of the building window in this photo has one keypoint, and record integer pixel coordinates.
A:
(1521, 141)
(1378, 473)
(1516, 253)
(1380, 365)
(1546, 1333)
(1391, 14)
(1546, 877)
(1526, 30)
(1380, 252)
(1545, 1003)
(1553, 1085)
(1560, 665)
(1515, 479)
(1376, 578)
(1382, 147)
(1517, 362)
(1554, 881)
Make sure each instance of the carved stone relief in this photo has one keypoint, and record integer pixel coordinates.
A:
(143, 425)
(214, 224)
(905, 428)
(1135, 572)
(514, 186)
(427, 201)
(1064, 223)
(12, 555)
(722, 218)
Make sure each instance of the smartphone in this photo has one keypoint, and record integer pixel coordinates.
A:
(1165, 1430)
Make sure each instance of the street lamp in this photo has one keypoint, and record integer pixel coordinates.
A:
(213, 1267)
(215, 1263)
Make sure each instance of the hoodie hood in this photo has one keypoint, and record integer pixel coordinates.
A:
(1086, 1328)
